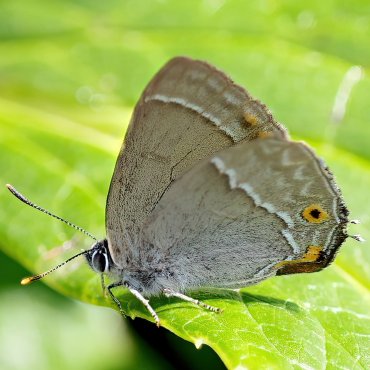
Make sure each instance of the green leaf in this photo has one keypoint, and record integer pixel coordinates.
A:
(66, 98)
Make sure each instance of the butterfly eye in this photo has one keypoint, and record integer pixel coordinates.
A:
(99, 261)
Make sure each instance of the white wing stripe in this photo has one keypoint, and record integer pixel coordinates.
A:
(248, 189)
(196, 108)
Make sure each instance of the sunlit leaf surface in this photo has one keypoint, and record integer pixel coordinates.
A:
(70, 74)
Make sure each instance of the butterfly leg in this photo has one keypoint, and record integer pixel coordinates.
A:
(116, 300)
(103, 286)
(137, 294)
(145, 302)
(171, 293)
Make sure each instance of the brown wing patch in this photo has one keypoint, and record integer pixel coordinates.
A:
(312, 261)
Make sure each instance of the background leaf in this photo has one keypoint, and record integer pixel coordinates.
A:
(70, 73)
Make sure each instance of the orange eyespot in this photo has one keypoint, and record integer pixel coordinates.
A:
(314, 213)
(250, 118)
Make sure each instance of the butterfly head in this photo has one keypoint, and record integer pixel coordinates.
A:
(98, 257)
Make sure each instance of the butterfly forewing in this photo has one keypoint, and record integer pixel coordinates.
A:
(189, 111)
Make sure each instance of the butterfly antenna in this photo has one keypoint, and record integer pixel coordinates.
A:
(30, 279)
(23, 199)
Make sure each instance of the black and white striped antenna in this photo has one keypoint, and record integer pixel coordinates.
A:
(23, 199)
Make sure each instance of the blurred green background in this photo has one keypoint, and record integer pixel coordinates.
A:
(70, 74)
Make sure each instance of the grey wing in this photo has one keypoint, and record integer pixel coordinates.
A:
(237, 218)
(187, 112)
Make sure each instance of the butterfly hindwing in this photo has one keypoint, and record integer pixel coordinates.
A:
(245, 207)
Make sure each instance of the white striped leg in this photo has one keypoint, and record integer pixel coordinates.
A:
(171, 293)
(145, 302)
